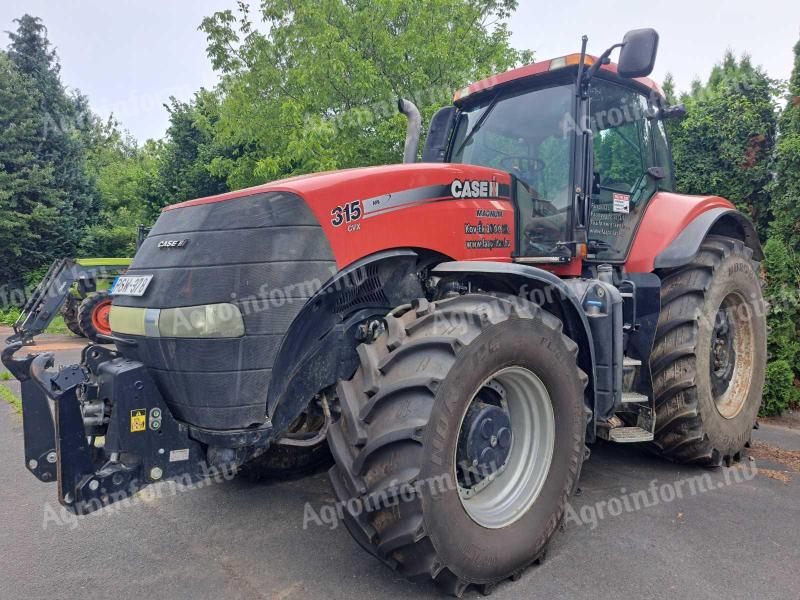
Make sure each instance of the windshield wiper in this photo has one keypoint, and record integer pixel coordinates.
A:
(478, 124)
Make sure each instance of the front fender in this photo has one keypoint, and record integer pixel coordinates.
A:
(546, 290)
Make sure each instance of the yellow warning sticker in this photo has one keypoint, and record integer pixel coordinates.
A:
(138, 420)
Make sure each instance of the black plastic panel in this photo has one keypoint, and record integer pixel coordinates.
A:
(267, 254)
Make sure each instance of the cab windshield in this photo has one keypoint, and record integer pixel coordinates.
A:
(527, 134)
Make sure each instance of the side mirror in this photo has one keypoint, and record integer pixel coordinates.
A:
(638, 55)
(439, 134)
(673, 112)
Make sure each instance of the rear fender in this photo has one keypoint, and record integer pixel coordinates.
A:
(720, 221)
(674, 226)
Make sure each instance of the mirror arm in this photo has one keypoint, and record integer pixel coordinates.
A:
(579, 87)
(587, 77)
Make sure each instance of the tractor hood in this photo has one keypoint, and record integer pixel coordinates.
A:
(213, 290)
(348, 204)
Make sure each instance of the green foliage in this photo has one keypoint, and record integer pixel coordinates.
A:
(112, 241)
(29, 198)
(9, 316)
(782, 274)
(787, 189)
(319, 90)
(63, 124)
(725, 144)
(779, 390)
(184, 163)
(782, 270)
(783, 253)
(729, 145)
(126, 176)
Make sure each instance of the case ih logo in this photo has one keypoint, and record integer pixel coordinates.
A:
(474, 188)
(167, 244)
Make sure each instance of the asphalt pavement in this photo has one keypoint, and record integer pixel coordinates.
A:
(640, 528)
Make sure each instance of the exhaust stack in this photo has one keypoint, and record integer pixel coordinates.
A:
(413, 131)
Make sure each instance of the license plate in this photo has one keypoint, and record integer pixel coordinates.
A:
(134, 285)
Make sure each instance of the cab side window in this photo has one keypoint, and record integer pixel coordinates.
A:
(663, 157)
(623, 152)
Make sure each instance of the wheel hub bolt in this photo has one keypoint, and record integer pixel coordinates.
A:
(504, 437)
(489, 459)
(493, 441)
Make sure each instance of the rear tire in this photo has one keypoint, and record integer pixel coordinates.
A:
(93, 316)
(396, 445)
(709, 357)
(69, 311)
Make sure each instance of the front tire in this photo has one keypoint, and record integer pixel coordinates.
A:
(398, 445)
(93, 315)
(708, 362)
(70, 313)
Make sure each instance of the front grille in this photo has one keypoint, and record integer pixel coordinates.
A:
(368, 291)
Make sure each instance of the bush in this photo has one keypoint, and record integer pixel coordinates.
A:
(101, 241)
(783, 318)
(780, 392)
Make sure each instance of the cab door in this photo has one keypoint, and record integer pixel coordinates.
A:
(624, 151)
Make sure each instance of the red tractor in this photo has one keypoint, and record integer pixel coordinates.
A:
(457, 331)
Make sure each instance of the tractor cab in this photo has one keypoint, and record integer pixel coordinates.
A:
(583, 139)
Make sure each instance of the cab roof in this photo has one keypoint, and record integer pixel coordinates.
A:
(541, 68)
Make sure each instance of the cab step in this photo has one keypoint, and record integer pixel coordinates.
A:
(624, 435)
(627, 361)
(634, 398)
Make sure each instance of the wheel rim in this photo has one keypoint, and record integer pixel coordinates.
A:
(100, 317)
(731, 356)
(505, 494)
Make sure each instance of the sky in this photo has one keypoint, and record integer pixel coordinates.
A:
(130, 56)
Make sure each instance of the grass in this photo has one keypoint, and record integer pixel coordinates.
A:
(9, 316)
(5, 376)
(57, 326)
(10, 397)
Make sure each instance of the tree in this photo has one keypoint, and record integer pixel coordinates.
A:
(28, 195)
(63, 124)
(184, 163)
(783, 257)
(319, 90)
(125, 174)
(725, 144)
(787, 189)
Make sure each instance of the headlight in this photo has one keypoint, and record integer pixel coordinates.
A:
(207, 321)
